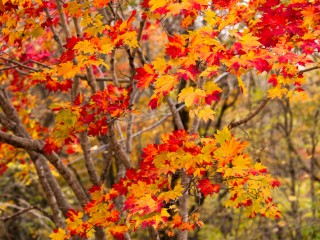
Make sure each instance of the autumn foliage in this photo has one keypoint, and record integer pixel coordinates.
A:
(97, 66)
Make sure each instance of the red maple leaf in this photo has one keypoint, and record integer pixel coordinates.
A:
(273, 80)
(213, 97)
(275, 183)
(261, 65)
(50, 146)
(206, 187)
(176, 46)
(145, 76)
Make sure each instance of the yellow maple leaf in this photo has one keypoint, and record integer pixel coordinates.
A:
(206, 113)
(67, 70)
(85, 46)
(155, 4)
(130, 38)
(191, 96)
(241, 84)
(211, 87)
(277, 92)
(59, 234)
(106, 45)
(240, 162)
(223, 135)
(174, 8)
(248, 41)
(172, 194)
(86, 20)
(211, 18)
(165, 83)
(297, 96)
(160, 64)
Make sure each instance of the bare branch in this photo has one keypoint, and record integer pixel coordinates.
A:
(112, 68)
(19, 142)
(117, 148)
(62, 18)
(49, 194)
(175, 113)
(66, 173)
(219, 78)
(85, 145)
(104, 79)
(56, 35)
(309, 69)
(22, 211)
(156, 123)
(250, 116)
(20, 64)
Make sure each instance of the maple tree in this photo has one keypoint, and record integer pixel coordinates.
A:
(63, 60)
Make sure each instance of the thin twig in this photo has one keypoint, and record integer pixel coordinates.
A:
(7, 218)
(20, 64)
(250, 116)
(309, 69)
(156, 123)
(104, 79)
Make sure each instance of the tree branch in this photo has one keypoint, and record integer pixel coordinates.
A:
(250, 116)
(175, 113)
(117, 148)
(49, 194)
(7, 218)
(309, 69)
(19, 142)
(156, 123)
(20, 64)
(85, 145)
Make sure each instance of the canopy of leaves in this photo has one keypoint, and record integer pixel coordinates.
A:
(109, 71)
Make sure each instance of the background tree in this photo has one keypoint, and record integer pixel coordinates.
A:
(91, 92)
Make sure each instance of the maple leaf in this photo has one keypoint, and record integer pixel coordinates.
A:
(79, 99)
(173, 194)
(277, 92)
(67, 69)
(54, 85)
(241, 84)
(59, 234)
(164, 84)
(223, 135)
(206, 113)
(261, 65)
(95, 192)
(191, 96)
(214, 96)
(155, 4)
(248, 41)
(207, 188)
(118, 231)
(176, 46)
(75, 223)
(68, 55)
(85, 46)
(275, 183)
(145, 76)
(161, 65)
(100, 3)
(51, 146)
(273, 80)
(187, 226)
